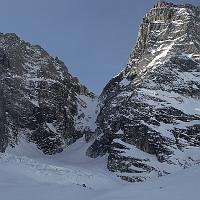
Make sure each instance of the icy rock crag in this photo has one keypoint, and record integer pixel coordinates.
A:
(149, 120)
(39, 100)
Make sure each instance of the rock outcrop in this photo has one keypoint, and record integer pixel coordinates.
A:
(149, 120)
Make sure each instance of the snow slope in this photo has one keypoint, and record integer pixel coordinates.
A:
(87, 113)
(72, 175)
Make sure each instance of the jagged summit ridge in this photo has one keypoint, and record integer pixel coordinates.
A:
(149, 120)
(167, 24)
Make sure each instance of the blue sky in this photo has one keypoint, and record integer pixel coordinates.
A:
(93, 37)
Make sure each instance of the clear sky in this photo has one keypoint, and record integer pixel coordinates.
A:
(93, 37)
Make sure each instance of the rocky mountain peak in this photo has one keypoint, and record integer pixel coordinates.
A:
(40, 101)
(150, 111)
(165, 30)
(164, 23)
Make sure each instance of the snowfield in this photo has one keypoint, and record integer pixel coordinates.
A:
(25, 173)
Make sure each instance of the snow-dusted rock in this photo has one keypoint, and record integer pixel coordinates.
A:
(39, 98)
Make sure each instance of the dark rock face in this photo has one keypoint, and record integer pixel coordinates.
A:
(39, 99)
(149, 119)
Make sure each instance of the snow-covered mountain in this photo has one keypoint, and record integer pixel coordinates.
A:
(146, 122)
(39, 100)
(149, 120)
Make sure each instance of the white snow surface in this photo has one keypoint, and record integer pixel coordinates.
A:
(157, 60)
(25, 173)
